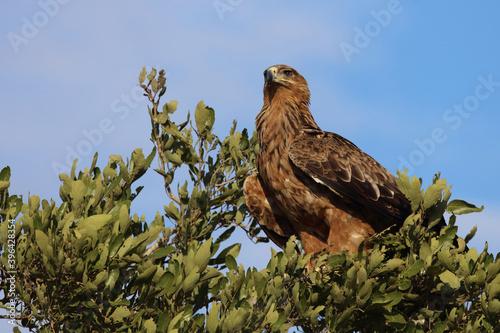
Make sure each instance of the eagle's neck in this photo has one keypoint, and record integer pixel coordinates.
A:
(282, 118)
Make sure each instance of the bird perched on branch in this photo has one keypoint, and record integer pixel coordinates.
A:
(314, 184)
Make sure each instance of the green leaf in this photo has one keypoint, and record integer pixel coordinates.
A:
(204, 117)
(345, 316)
(146, 275)
(112, 277)
(361, 275)
(174, 158)
(394, 298)
(124, 219)
(411, 190)
(34, 202)
(494, 307)
(450, 278)
(4, 185)
(425, 251)
(152, 74)
(149, 326)
(190, 281)
(162, 118)
(446, 259)
(119, 313)
(115, 244)
(414, 269)
(396, 318)
(43, 243)
(241, 172)
(236, 319)
(91, 225)
(239, 217)
(100, 278)
(170, 107)
(174, 322)
(154, 85)
(278, 324)
(5, 174)
(447, 238)
(459, 207)
(172, 211)
(471, 234)
(163, 320)
(203, 255)
(404, 284)
(434, 193)
(210, 273)
(493, 270)
(213, 318)
(167, 284)
(494, 288)
(125, 246)
(162, 252)
(232, 250)
(394, 263)
(231, 262)
(111, 187)
(225, 235)
(142, 75)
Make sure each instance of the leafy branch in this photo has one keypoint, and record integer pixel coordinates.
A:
(212, 198)
(89, 261)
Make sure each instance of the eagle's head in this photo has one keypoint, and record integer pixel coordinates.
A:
(287, 83)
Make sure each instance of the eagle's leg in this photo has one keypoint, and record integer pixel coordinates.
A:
(347, 231)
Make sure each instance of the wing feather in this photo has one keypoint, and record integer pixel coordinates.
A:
(271, 220)
(347, 171)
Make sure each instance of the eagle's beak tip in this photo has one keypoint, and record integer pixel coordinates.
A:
(271, 74)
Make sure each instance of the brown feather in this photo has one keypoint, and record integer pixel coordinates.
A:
(315, 184)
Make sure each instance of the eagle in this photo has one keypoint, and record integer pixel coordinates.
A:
(314, 184)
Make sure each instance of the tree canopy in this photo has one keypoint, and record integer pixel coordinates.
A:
(87, 265)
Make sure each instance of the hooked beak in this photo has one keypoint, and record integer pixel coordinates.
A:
(271, 74)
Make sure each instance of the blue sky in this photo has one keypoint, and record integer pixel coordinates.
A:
(414, 84)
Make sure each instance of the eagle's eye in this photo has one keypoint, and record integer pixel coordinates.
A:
(287, 72)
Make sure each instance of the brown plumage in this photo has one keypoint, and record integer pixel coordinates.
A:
(314, 184)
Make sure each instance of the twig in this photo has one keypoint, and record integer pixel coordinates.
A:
(156, 132)
(156, 246)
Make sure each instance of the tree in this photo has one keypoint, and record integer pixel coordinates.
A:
(88, 266)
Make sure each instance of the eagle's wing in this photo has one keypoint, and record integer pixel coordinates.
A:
(266, 211)
(351, 174)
